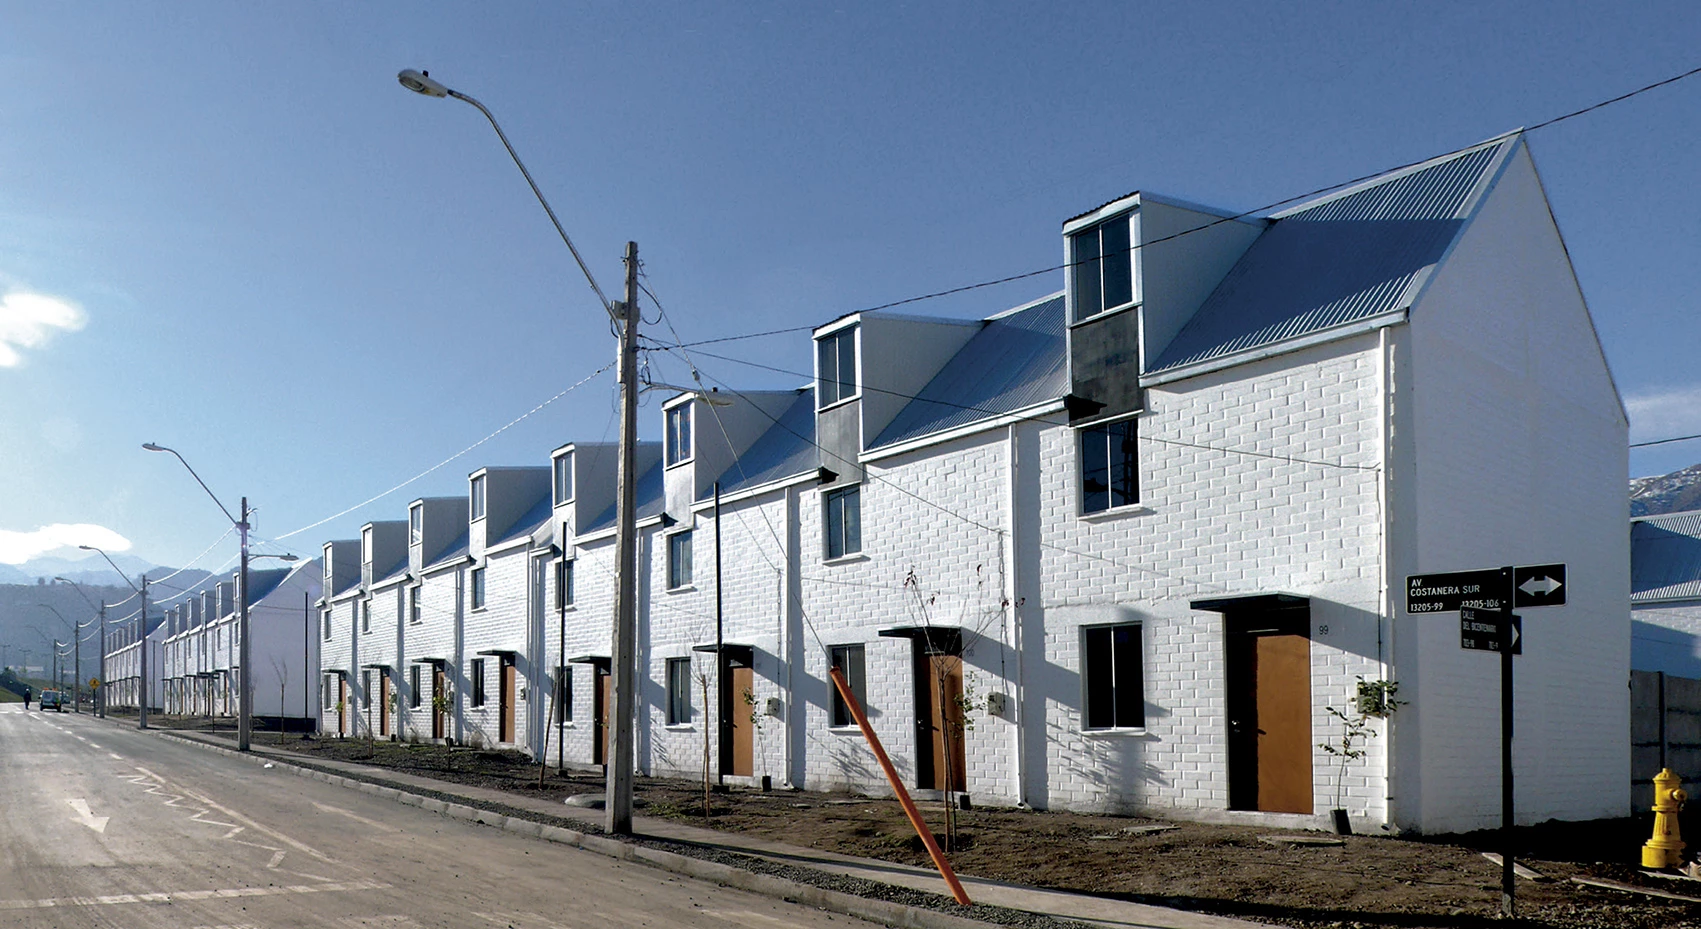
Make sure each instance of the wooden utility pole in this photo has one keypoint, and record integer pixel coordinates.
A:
(622, 659)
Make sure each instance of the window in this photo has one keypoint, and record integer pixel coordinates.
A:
(1111, 656)
(365, 608)
(679, 560)
(1110, 467)
(563, 693)
(415, 611)
(366, 688)
(563, 478)
(679, 434)
(844, 521)
(678, 691)
(478, 682)
(475, 498)
(564, 583)
(416, 524)
(836, 367)
(325, 691)
(413, 686)
(366, 545)
(325, 617)
(849, 659)
(1101, 268)
(476, 588)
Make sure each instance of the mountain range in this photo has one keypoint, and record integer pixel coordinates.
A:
(1677, 492)
(89, 569)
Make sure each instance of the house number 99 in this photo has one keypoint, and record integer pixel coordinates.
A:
(1322, 630)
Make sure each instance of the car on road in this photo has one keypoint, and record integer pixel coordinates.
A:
(53, 700)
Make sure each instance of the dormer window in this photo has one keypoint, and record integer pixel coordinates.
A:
(475, 498)
(835, 357)
(366, 545)
(1101, 268)
(563, 465)
(416, 524)
(328, 574)
(679, 434)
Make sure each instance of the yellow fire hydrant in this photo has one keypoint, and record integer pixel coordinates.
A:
(1665, 849)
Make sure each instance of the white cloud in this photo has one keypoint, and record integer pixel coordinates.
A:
(29, 320)
(1665, 414)
(19, 547)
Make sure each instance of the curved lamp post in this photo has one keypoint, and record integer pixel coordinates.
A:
(245, 698)
(625, 316)
(142, 593)
(98, 696)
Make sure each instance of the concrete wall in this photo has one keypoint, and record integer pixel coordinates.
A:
(1674, 742)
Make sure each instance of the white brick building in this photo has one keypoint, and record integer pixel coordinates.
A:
(1120, 548)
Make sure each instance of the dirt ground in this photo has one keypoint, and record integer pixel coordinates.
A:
(1369, 882)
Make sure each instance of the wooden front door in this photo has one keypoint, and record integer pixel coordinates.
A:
(439, 689)
(342, 705)
(739, 755)
(604, 699)
(939, 720)
(1269, 709)
(505, 698)
(383, 702)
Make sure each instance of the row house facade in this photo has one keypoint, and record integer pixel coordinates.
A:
(122, 686)
(1121, 548)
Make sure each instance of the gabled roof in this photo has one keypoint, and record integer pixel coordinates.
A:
(1015, 361)
(1665, 557)
(1342, 258)
(652, 501)
(786, 449)
(261, 583)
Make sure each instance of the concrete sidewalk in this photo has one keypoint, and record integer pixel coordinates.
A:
(1058, 904)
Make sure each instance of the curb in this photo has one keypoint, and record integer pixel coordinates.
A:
(834, 901)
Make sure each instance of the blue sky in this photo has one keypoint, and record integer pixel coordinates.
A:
(227, 229)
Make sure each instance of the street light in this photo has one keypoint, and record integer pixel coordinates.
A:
(625, 316)
(245, 698)
(99, 695)
(142, 593)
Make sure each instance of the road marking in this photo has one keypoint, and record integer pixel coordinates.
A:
(116, 756)
(87, 817)
(381, 827)
(92, 745)
(184, 895)
(159, 786)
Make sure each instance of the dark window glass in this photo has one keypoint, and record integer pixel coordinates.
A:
(415, 612)
(679, 559)
(836, 358)
(476, 588)
(478, 682)
(1110, 466)
(564, 693)
(1117, 263)
(564, 478)
(844, 522)
(563, 584)
(678, 691)
(476, 498)
(1115, 686)
(413, 686)
(1102, 268)
(1089, 292)
(849, 659)
(678, 434)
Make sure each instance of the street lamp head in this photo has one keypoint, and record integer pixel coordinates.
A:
(88, 548)
(420, 82)
(154, 448)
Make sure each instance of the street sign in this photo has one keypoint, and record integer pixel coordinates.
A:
(1481, 630)
(1443, 593)
(94, 683)
(1538, 585)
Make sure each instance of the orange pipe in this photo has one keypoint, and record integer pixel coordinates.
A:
(904, 800)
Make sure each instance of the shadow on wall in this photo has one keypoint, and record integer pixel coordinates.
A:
(1661, 648)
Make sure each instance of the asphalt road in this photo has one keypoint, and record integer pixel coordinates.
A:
(102, 825)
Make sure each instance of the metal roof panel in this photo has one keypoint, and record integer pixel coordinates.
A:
(1665, 558)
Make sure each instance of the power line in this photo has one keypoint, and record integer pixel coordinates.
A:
(1681, 438)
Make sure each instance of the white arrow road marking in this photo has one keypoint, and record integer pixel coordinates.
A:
(86, 817)
(1540, 585)
(174, 897)
(381, 827)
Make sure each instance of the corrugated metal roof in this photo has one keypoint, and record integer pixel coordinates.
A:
(262, 583)
(786, 449)
(455, 551)
(1013, 362)
(397, 571)
(1342, 258)
(1665, 558)
(537, 516)
(652, 501)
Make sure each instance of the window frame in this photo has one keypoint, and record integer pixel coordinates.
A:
(841, 495)
(1098, 656)
(476, 675)
(674, 579)
(677, 437)
(416, 604)
(840, 340)
(366, 545)
(1100, 263)
(476, 592)
(475, 498)
(363, 608)
(856, 674)
(416, 524)
(564, 592)
(325, 619)
(560, 465)
(1108, 430)
(413, 687)
(678, 692)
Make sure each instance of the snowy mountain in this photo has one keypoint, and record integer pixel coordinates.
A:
(1677, 492)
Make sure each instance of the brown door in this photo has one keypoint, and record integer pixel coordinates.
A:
(383, 702)
(505, 695)
(439, 688)
(1269, 707)
(740, 731)
(604, 697)
(939, 719)
(342, 705)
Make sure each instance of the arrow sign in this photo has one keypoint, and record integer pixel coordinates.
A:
(86, 817)
(1539, 585)
(1482, 630)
